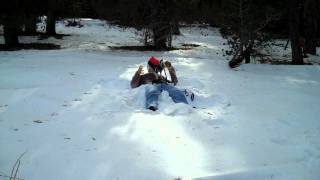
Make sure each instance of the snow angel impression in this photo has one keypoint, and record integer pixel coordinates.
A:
(159, 82)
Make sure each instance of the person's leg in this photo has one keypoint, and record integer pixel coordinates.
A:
(176, 94)
(152, 97)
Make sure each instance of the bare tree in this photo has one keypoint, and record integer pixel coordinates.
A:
(295, 8)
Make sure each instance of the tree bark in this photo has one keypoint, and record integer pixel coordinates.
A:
(175, 28)
(161, 33)
(51, 23)
(161, 24)
(318, 31)
(294, 25)
(51, 17)
(10, 33)
(311, 25)
(31, 26)
(247, 53)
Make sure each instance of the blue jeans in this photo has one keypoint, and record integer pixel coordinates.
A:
(153, 92)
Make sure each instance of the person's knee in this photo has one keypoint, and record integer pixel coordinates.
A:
(176, 92)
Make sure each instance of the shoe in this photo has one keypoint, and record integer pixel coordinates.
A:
(152, 108)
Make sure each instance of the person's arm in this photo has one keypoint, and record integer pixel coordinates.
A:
(163, 79)
(173, 75)
(135, 82)
(172, 72)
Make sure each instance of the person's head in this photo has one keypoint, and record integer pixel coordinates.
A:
(154, 65)
(150, 69)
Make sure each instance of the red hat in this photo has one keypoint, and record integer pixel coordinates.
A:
(154, 61)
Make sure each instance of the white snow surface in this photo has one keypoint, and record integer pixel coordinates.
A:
(73, 113)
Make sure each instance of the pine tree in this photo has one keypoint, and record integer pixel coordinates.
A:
(311, 16)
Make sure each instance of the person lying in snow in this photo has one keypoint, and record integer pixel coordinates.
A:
(159, 82)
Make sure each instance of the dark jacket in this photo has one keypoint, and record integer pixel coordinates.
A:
(148, 78)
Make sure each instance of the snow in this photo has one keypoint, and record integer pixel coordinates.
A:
(74, 114)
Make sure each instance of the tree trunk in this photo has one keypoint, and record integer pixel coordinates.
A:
(311, 25)
(10, 33)
(161, 24)
(311, 41)
(51, 17)
(160, 36)
(51, 23)
(235, 61)
(31, 26)
(295, 24)
(175, 28)
(247, 55)
(318, 31)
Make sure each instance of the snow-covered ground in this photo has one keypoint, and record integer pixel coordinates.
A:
(75, 116)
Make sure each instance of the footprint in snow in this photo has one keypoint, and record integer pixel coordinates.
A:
(215, 122)
(38, 121)
(279, 141)
(66, 105)
(54, 114)
(227, 106)
(14, 129)
(3, 108)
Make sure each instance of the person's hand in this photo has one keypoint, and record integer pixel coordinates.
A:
(167, 64)
(140, 70)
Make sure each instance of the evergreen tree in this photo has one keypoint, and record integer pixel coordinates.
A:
(311, 16)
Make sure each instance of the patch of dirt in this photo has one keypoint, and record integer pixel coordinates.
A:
(146, 48)
(190, 45)
(56, 36)
(279, 62)
(38, 46)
